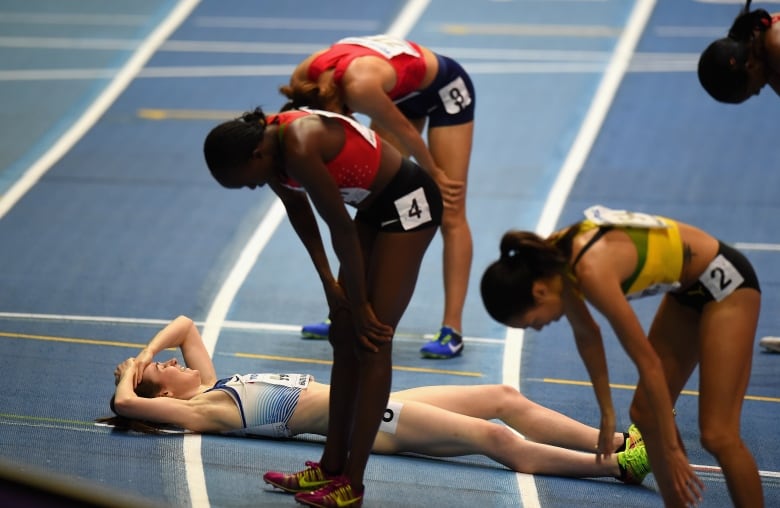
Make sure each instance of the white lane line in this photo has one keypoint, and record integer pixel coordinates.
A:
(215, 319)
(69, 43)
(775, 247)
(253, 23)
(559, 193)
(91, 115)
(595, 116)
(83, 19)
(407, 18)
(292, 329)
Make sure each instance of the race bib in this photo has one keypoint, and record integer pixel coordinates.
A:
(361, 129)
(390, 418)
(455, 96)
(354, 195)
(603, 216)
(290, 380)
(655, 289)
(386, 45)
(721, 278)
(413, 209)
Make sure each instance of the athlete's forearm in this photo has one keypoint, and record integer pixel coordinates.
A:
(176, 334)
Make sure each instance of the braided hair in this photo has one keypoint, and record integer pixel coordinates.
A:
(748, 22)
(230, 144)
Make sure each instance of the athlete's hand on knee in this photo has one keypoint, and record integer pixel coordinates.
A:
(371, 332)
(452, 191)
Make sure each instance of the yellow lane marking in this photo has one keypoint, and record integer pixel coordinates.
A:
(94, 342)
(633, 387)
(187, 114)
(72, 340)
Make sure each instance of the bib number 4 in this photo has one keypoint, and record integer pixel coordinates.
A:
(413, 209)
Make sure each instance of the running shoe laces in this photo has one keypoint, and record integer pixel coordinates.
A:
(337, 494)
(311, 478)
(634, 438)
(634, 465)
(447, 344)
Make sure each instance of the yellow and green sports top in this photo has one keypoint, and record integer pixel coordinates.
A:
(658, 245)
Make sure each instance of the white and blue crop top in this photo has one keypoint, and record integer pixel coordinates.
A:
(266, 401)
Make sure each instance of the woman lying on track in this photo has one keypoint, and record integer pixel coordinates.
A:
(435, 420)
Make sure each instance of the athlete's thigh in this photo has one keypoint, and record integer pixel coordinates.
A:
(451, 146)
(674, 335)
(426, 429)
(393, 266)
(727, 341)
(478, 401)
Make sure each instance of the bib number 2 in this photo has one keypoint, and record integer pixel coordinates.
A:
(721, 278)
(413, 209)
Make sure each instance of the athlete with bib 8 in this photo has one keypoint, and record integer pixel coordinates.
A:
(707, 318)
(400, 85)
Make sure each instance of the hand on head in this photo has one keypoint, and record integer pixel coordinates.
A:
(126, 366)
(143, 359)
(134, 366)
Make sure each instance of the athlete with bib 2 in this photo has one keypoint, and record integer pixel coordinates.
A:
(400, 85)
(707, 318)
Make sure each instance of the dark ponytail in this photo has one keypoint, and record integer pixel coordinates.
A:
(507, 283)
(303, 95)
(147, 390)
(122, 424)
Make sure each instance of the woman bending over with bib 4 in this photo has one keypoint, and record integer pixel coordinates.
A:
(336, 162)
(707, 318)
(434, 420)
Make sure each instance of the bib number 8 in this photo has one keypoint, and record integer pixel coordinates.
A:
(455, 96)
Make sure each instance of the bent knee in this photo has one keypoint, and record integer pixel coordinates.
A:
(717, 439)
(499, 436)
(454, 218)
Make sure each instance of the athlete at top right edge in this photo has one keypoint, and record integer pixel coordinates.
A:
(735, 68)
